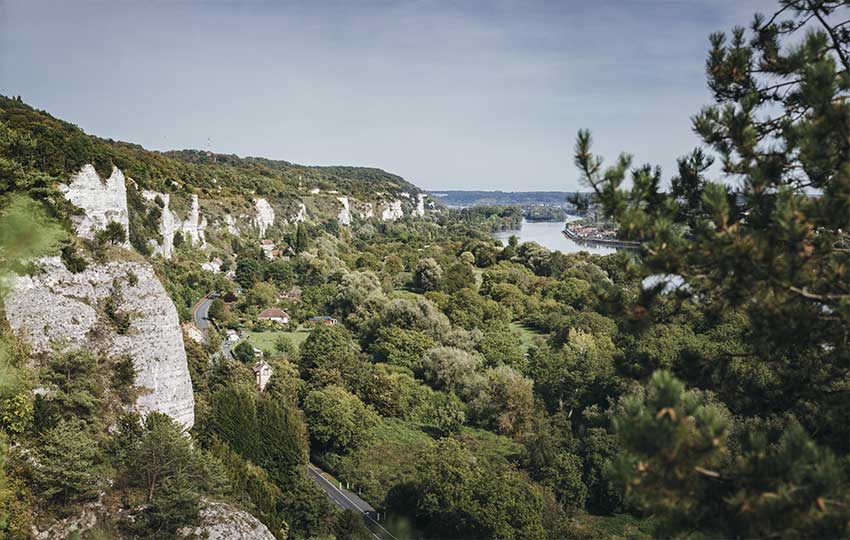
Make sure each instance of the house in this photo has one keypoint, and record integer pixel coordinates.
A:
(292, 294)
(193, 332)
(324, 319)
(213, 266)
(262, 373)
(274, 315)
(268, 248)
(232, 336)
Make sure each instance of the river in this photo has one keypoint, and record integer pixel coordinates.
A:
(548, 234)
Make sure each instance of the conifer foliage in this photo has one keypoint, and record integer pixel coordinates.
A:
(769, 241)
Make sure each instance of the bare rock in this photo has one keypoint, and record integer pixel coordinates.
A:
(101, 200)
(56, 309)
(221, 521)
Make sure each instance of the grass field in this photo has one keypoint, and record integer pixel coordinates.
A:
(527, 334)
(265, 341)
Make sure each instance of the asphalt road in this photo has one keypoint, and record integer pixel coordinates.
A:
(200, 316)
(199, 313)
(347, 500)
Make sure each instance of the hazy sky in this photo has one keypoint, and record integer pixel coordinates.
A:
(450, 95)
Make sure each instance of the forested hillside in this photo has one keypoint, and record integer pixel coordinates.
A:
(465, 389)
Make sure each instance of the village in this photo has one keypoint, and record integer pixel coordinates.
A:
(253, 326)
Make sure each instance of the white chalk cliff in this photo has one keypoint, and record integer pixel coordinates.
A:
(420, 205)
(301, 216)
(195, 225)
(58, 309)
(101, 200)
(344, 216)
(167, 225)
(392, 211)
(265, 216)
(230, 225)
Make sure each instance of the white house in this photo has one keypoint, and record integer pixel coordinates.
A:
(232, 336)
(274, 315)
(262, 373)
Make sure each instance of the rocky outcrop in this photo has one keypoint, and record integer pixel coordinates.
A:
(195, 225)
(101, 200)
(265, 216)
(301, 216)
(369, 212)
(230, 225)
(217, 521)
(420, 205)
(56, 309)
(167, 225)
(73, 526)
(392, 211)
(192, 227)
(344, 216)
(221, 521)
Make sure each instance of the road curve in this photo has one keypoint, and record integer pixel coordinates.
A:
(200, 313)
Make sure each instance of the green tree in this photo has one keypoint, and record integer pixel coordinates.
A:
(114, 233)
(349, 525)
(452, 369)
(457, 277)
(178, 240)
(77, 389)
(427, 275)
(393, 265)
(675, 466)
(401, 347)
(234, 419)
(283, 440)
(338, 420)
(284, 345)
(219, 311)
(301, 242)
(331, 353)
(779, 124)
(67, 464)
(248, 271)
(172, 474)
(456, 497)
(262, 295)
(244, 352)
(502, 346)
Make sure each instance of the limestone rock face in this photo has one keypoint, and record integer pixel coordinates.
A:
(167, 224)
(301, 216)
(56, 309)
(344, 216)
(369, 212)
(195, 225)
(420, 205)
(102, 200)
(392, 211)
(220, 521)
(265, 216)
(230, 225)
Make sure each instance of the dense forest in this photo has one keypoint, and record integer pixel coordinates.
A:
(699, 389)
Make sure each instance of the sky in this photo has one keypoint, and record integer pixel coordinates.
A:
(451, 95)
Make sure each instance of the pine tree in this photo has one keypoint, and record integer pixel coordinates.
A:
(300, 243)
(769, 243)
